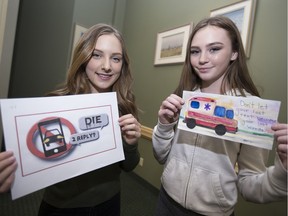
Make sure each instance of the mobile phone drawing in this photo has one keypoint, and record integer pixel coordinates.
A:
(52, 137)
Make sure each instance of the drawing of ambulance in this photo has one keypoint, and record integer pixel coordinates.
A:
(205, 112)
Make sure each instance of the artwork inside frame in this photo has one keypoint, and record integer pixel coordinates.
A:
(171, 45)
(242, 13)
(78, 32)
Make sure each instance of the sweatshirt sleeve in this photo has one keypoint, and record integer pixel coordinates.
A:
(132, 157)
(162, 141)
(258, 183)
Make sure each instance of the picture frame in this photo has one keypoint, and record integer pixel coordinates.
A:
(171, 45)
(78, 32)
(242, 13)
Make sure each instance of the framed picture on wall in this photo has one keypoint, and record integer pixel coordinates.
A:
(171, 45)
(242, 13)
(78, 32)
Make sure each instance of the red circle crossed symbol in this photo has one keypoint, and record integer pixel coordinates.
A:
(34, 132)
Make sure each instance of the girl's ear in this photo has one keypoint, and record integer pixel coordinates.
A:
(234, 56)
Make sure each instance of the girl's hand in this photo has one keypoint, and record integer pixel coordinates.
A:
(170, 109)
(8, 166)
(281, 135)
(131, 128)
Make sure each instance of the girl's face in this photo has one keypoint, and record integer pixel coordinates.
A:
(104, 67)
(211, 53)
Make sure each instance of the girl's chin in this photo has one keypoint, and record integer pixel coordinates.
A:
(104, 88)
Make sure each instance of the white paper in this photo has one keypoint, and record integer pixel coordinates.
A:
(80, 133)
(246, 120)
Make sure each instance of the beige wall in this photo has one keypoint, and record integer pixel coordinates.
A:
(267, 63)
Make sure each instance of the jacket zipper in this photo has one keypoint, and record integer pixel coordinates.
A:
(190, 170)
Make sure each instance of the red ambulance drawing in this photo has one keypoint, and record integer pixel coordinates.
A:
(205, 112)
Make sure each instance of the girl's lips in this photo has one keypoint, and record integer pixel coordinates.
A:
(104, 76)
(203, 70)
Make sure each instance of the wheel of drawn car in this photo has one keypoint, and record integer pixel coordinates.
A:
(220, 130)
(191, 123)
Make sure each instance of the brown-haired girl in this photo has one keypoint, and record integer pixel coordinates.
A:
(100, 64)
(199, 175)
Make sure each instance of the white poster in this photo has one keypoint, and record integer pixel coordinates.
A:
(246, 120)
(57, 138)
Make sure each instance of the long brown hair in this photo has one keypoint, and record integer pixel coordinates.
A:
(237, 76)
(77, 81)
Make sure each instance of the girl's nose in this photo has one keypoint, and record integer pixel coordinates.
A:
(203, 58)
(106, 65)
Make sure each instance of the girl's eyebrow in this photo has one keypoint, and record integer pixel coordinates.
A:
(116, 53)
(194, 47)
(209, 45)
(215, 43)
(96, 50)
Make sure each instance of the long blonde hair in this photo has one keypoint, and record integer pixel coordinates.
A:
(77, 81)
(237, 76)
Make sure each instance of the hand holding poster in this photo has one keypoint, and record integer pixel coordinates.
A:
(247, 120)
(57, 138)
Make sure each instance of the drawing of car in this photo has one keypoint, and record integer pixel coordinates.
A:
(53, 136)
(205, 112)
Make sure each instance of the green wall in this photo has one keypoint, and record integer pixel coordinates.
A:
(144, 19)
(41, 47)
(44, 38)
(267, 62)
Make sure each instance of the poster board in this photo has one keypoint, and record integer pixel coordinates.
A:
(57, 138)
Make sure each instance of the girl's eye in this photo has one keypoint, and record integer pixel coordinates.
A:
(117, 59)
(194, 52)
(214, 49)
(96, 55)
